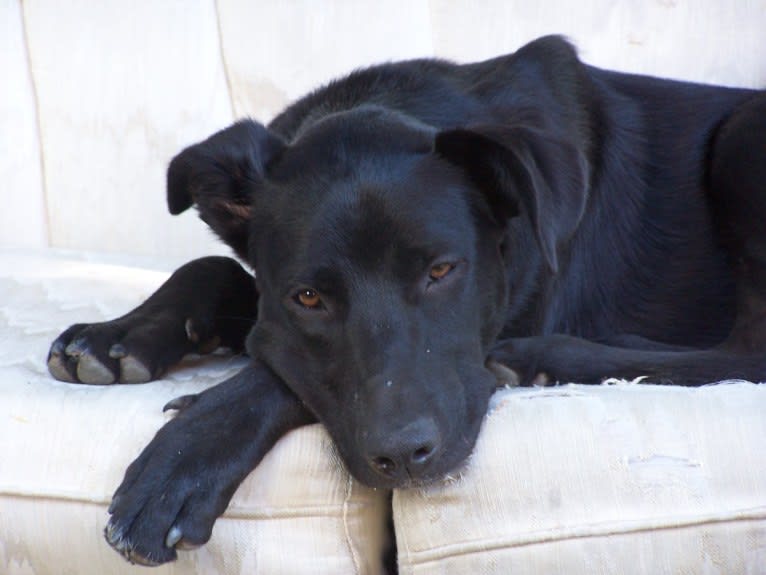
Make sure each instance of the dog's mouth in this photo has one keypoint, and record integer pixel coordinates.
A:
(454, 474)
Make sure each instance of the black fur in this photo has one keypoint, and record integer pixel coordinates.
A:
(416, 226)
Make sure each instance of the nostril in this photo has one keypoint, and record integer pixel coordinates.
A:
(384, 465)
(422, 454)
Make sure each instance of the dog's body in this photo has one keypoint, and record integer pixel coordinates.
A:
(417, 226)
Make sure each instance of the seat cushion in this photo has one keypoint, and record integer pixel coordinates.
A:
(64, 448)
(620, 478)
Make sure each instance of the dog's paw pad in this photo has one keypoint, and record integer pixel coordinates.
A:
(90, 370)
(132, 370)
(57, 366)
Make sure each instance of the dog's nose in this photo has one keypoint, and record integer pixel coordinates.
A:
(407, 452)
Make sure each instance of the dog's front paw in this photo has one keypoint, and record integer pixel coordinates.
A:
(183, 480)
(542, 360)
(169, 500)
(133, 349)
(533, 361)
(206, 303)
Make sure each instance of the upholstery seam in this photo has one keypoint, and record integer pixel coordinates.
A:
(557, 535)
(224, 65)
(263, 513)
(346, 530)
(38, 124)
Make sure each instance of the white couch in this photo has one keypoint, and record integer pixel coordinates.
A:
(97, 96)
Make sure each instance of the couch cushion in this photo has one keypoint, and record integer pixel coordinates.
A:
(64, 448)
(601, 479)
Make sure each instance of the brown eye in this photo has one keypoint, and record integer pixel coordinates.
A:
(309, 298)
(439, 271)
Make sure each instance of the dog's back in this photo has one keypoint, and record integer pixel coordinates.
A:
(648, 256)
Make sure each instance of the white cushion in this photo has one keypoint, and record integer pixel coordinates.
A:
(64, 448)
(601, 479)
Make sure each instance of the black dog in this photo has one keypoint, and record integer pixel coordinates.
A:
(416, 226)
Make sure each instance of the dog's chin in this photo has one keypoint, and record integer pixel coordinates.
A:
(444, 470)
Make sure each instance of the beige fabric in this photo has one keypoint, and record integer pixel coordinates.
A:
(97, 98)
(610, 479)
(64, 448)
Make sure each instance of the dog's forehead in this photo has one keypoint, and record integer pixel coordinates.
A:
(364, 189)
(402, 220)
(340, 142)
(391, 216)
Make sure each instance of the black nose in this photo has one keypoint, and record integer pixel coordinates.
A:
(405, 453)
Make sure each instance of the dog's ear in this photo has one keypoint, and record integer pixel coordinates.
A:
(219, 175)
(524, 169)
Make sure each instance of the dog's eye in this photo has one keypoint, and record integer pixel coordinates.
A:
(308, 298)
(440, 271)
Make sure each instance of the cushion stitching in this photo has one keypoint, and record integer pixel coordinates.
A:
(346, 530)
(581, 532)
(273, 512)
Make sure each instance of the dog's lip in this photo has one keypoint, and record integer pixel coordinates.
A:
(422, 482)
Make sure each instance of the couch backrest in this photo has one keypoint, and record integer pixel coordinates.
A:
(98, 96)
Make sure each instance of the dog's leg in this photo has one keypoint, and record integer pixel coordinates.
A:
(207, 303)
(561, 358)
(737, 184)
(183, 480)
(632, 341)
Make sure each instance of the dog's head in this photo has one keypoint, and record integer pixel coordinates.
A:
(383, 259)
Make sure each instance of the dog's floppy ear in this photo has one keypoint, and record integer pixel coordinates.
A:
(219, 176)
(524, 169)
